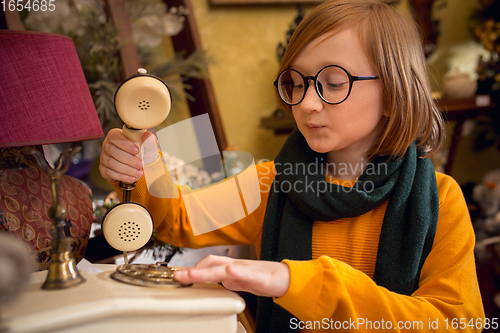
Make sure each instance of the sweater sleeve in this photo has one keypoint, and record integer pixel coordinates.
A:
(331, 294)
(172, 221)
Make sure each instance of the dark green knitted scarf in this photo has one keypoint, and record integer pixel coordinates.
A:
(301, 195)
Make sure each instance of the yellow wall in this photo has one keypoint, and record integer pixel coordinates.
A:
(242, 41)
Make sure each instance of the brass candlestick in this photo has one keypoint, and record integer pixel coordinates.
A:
(62, 269)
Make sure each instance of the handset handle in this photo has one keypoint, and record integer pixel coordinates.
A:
(134, 135)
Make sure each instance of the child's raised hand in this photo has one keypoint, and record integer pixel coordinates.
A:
(262, 278)
(118, 158)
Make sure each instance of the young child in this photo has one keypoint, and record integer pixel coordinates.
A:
(375, 240)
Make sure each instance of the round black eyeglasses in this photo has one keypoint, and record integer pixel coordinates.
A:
(333, 84)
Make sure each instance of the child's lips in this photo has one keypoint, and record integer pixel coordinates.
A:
(314, 127)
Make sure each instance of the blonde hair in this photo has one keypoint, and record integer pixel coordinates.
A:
(393, 43)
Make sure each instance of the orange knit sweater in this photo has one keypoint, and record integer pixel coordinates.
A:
(335, 290)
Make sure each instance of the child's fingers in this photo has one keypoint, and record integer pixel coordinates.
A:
(112, 176)
(112, 169)
(260, 278)
(213, 260)
(194, 275)
(116, 138)
(114, 158)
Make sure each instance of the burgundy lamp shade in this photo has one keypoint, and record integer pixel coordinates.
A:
(44, 97)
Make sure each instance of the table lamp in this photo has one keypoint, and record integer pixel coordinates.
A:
(44, 99)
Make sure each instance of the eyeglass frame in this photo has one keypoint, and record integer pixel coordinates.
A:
(352, 79)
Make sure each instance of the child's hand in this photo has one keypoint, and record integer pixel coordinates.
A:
(119, 160)
(262, 278)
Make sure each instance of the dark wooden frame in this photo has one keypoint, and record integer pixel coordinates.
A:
(189, 41)
(261, 2)
(129, 58)
(430, 27)
(10, 20)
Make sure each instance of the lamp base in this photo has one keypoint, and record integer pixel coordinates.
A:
(62, 269)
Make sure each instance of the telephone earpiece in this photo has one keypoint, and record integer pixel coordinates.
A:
(128, 226)
(143, 101)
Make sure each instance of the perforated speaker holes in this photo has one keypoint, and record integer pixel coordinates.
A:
(144, 105)
(129, 231)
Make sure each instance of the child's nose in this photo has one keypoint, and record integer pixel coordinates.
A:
(311, 102)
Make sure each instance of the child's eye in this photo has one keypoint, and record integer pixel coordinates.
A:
(339, 85)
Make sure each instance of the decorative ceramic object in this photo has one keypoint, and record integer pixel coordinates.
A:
(458, 85)
(25, 199)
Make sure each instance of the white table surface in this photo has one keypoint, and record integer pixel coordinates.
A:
(102, 304)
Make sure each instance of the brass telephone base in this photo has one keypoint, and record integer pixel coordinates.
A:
(147, 276)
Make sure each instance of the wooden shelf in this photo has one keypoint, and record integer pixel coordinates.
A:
(465, 108)
(460, 110)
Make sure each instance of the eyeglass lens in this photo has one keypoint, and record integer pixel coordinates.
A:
(332, 84)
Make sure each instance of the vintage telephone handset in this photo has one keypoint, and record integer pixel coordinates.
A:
(143, 101)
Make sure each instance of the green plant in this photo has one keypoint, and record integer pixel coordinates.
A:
(98, 45)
